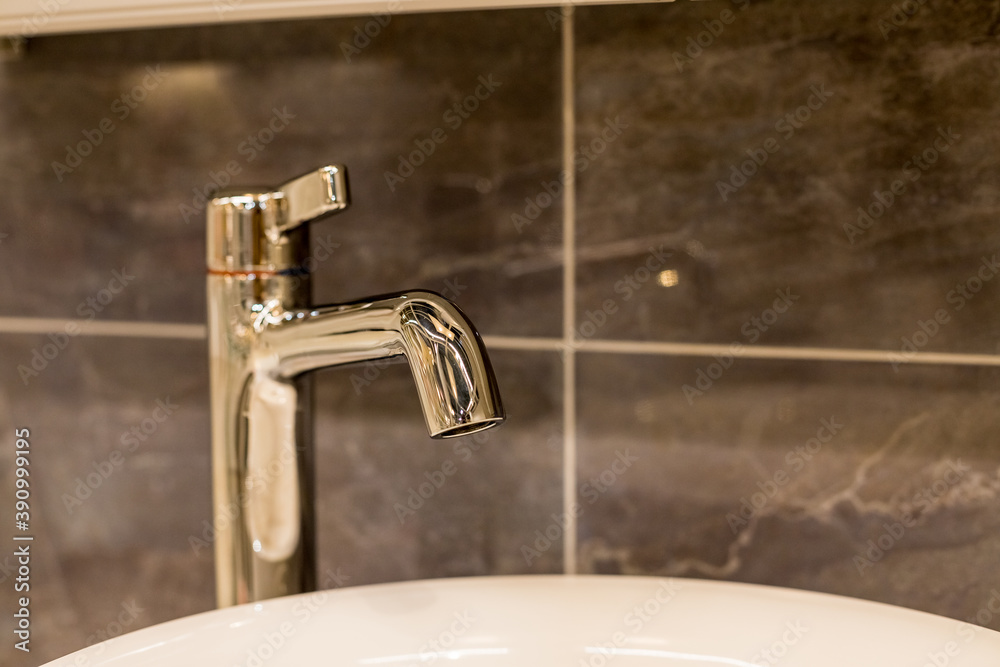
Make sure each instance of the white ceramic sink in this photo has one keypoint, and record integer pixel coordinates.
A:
(554, 621)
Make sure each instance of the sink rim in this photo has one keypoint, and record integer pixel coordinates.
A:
(587, 597)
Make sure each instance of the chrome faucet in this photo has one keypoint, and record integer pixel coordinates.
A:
(263, 340)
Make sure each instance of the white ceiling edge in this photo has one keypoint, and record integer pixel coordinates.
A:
(27, 18)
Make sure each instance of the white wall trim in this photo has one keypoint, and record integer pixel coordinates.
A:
(27, 18)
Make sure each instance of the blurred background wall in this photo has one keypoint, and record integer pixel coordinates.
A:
(780, 363)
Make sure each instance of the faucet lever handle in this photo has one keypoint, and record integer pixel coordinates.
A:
(248, 228)
(314, 195)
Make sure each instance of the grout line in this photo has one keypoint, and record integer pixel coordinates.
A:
(530, 344)
(789, 353)
(133, 329)
(664, 349)
(569, 296)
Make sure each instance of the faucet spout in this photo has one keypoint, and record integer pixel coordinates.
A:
(454, 379)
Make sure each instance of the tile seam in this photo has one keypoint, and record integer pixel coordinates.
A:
(181, 331)
(95, 328)
(569, 295)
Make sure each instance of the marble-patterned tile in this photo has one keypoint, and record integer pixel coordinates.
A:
(120, 479)
(843, 478)
(826, 111)
(394, 504)
(471, 99)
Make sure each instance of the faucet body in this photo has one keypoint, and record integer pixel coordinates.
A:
(264, 339)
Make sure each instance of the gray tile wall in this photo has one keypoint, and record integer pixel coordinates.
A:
(786, 464)
(875, 480)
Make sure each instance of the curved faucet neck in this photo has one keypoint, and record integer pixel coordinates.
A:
(450, 366)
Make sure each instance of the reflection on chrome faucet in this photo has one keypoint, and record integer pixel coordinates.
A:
(263, 340)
